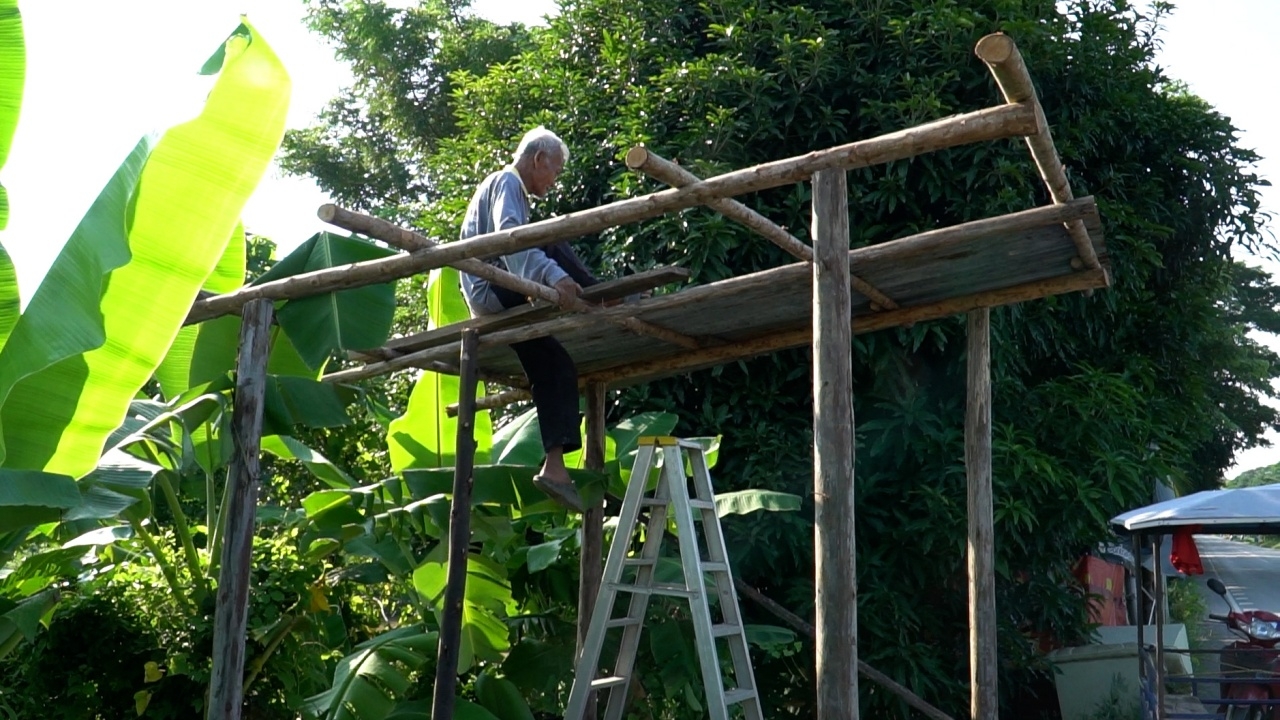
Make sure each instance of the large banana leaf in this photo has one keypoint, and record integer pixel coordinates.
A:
(355, 319)
(367, 683)
(31, 497)
(425, 436)
(486, 600)
(202, 352)
(13, 71)
(10, 301)
(21, 620)
(179, 213)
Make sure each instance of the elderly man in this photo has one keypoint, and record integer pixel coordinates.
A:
(502, 201)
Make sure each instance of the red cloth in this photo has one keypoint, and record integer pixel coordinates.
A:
(1184, 555)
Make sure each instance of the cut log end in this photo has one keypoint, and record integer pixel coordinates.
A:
(327, 212)
(637, 156)
(995, 48)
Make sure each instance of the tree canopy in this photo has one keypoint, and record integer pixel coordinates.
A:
(1093, 396)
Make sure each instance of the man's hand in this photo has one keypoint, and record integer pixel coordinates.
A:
(569, 292)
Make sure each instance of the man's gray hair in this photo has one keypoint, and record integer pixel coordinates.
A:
(541, 139)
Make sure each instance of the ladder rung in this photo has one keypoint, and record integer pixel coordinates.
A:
(725, 630)
(608, 682)
(623, 622)
(637, 562)
(667, 590)
(654, 502)
(737, 695)
(715, 567)
(702, 504)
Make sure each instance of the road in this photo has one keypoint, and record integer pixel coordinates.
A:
(1251, 573)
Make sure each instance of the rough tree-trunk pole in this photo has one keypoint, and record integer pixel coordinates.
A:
(226, 683)
(590, 562)
(836, 592)
(984, 700)
(442, 701)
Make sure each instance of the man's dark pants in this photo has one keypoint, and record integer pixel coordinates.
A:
(553, 380)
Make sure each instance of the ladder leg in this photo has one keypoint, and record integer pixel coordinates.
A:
(717, 552)
(646, 564)
(691, 557)
(589, 662)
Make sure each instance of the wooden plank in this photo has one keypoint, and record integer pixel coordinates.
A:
(444, 695)
(226, 683)
(984, 700)
(836, 591)
(905, 268)
(606, 291)
(590, 563)
(984, 125)
(1001, 55)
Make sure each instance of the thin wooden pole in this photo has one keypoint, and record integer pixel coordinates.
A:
(592, 556)
(1001, 55)
(872, 674)
(660, 168)
(836, 591)
(995, 123)
(442, 701)
(984, 699)
(231, 615)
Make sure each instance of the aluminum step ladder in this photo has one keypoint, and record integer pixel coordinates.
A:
(671, 492)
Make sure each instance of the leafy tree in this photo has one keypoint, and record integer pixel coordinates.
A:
(1258, 476)
(1085, 387)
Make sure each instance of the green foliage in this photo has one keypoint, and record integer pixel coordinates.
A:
(1257, 476)
(1094, 396)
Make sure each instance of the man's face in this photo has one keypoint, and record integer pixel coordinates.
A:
(546, 168)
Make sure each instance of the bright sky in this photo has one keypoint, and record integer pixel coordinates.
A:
(102, 74)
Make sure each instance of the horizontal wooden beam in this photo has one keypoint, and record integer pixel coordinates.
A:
(900, 250)
(1001, 55)
(659, 168)
(609, 290)
(1005, 121)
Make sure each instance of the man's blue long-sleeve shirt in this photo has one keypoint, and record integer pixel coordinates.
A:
(500, 202)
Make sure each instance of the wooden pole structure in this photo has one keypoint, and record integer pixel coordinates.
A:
(443, 698)
(835, 592)
(984, 699)
(1001, 55)
(592, 558)
(226, 682)
(902, 249)
(1004, 121)
(659, 168)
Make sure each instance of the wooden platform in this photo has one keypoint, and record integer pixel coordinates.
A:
(936, 274)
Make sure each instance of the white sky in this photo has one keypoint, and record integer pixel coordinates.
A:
(102, 74)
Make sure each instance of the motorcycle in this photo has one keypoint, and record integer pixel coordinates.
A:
(1252, 658)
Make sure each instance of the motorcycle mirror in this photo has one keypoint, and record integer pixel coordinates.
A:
(1216, 585)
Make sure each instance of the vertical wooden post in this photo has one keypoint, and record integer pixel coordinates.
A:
(592, 557)
(226, 683)
(984, 698)
(442, 701)
(836, 592)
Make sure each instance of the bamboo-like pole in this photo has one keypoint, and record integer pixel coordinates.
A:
(226, 682)
(390, 233)
(984, 700)
(1001, 55)
(1004, 121)
(804, 628)
(896, 250)
(836, 590)
(590, 562)
(442, 701)
(659, 168)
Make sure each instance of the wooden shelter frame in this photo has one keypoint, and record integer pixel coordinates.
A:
(1035, 253)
